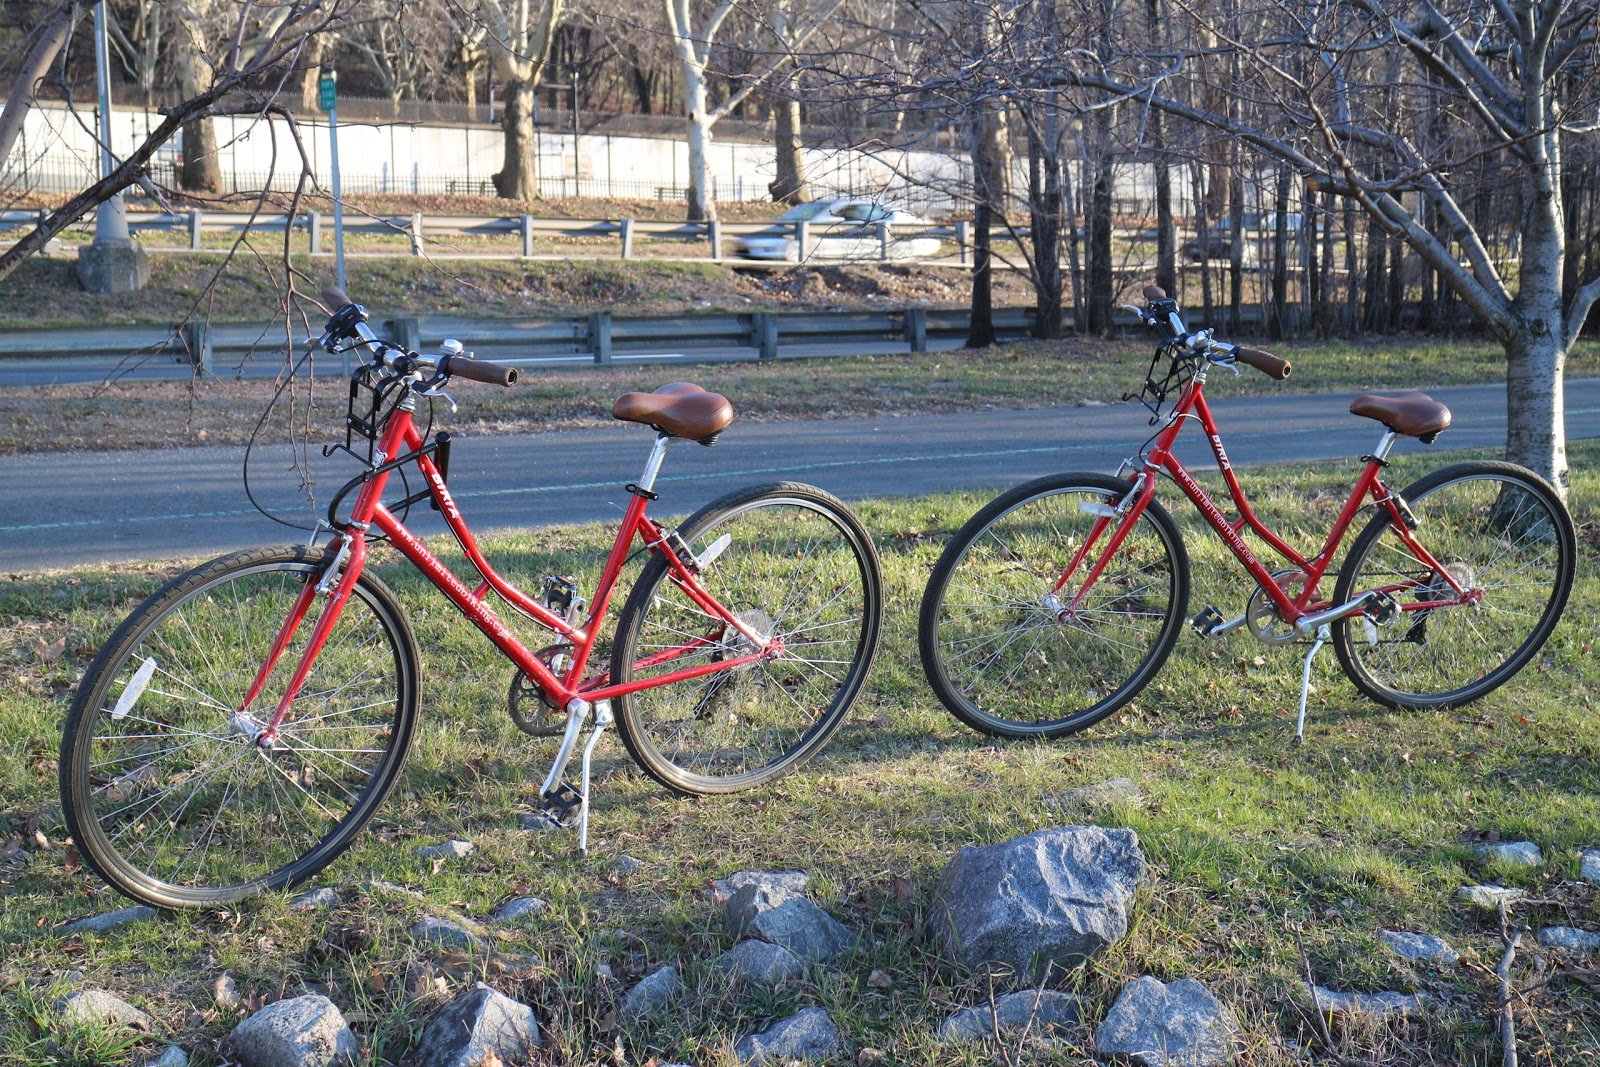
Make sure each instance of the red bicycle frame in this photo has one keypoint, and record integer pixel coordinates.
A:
(1191, 404)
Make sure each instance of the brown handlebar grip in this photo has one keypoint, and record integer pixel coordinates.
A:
(334, 298)
(1154, 292)
(1265, 362)
(478, 370)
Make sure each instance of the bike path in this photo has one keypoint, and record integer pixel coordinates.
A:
(68, 509)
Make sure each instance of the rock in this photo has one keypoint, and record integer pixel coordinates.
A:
(1178, 1024)
(1489, 896)
(107, 1009)
(1419, 946)
(780, 918)
(173, 1057)
(317, 898)
(535, 821)
(520, 909)
(723, 889)
(476, 1023)
(446, 932)
(1513, 853)
(1372, 1005)
(1569, 937)
(879, 979)
(1039, 1012)
(110, 920)
(759, 963)
(1052, 897)
(1099, 795)
(627, 864)
(305, 1031)
(651, 993)
(1589, 866)
(449, 850)
(809, 1035)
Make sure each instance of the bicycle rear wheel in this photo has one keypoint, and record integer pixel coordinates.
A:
(996, 650)
(166, 792)
(798, 568)
(1498, 530)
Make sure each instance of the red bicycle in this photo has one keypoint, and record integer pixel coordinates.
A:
(1060, 600)
(246, 721)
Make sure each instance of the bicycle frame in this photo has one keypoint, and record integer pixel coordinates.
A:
(1293, 609)
(573, 690)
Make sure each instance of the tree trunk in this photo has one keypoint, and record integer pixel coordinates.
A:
(1203, 236)
(519, 170)
(1044, 210)
(1278, 328)
(310, 73)
(1535, 409)
(789, 187)
(1074, 241)
(201, 171)
(33, 69)
(1101, 284)
(1236, 248)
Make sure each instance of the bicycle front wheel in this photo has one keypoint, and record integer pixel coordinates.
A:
(797, 568)
(165, 789)
(994, 643)
(1498, 531)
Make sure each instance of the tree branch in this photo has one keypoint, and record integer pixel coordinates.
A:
(1578, 312)
(20, 99)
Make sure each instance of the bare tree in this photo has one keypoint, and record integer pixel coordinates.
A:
(518, 35)
(399, 45)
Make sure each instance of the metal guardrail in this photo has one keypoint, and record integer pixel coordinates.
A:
(598, 338)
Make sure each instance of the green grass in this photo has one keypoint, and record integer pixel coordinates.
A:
(1251, 841)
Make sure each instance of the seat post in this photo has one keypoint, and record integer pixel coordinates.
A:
(652, 466)
(1385, 443)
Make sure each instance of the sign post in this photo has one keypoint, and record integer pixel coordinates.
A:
(328, 100)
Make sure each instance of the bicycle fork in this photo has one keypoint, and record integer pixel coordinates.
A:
(564, 805)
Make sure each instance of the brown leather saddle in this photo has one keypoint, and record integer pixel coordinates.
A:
(1410, 413)
(680, 409)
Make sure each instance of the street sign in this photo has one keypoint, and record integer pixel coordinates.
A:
(326, 86)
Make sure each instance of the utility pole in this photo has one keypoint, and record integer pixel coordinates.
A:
(328, 99)
(114, 263)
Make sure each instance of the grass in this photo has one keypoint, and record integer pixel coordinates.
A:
(1252, 842)
(156, 414)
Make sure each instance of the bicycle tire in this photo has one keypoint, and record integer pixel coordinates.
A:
(213, 817)
(986, 593)
(1496, 527)
(800, 566)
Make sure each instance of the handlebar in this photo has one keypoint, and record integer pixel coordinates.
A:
(349, 320)
(1163, 311)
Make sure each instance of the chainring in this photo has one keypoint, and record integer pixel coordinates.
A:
(1262, 615)
(527, 696)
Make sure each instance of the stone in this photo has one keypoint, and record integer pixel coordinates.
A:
(810, 1035)
(325, 897)
(304, 1031)
(723, 889)
(759, 963)
(114, 267)
(651, 993)
(1039, 1012)
(1098, 795)
(172, 1057)
(110, 920)
(476, 1023)
(1513, 853)
(520, 909)
(1489, 896)
(449, 850)
(627, 864)
(1054, 897)
(1415, 946)
(1589, 866)
(446, 932)
(1373, 1005)
(107, 1009)
(778, 917)
(1569, 937)
(1175, 1024)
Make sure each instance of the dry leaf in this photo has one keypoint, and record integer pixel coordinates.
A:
(491, 1059)
(902, 888)
(225, 992)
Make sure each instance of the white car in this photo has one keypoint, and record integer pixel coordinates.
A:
(840, 229)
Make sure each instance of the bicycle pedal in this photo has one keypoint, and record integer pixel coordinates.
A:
(563, 806)
(1381, 607)
(1207, 621)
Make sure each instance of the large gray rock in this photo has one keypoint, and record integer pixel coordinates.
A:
(474, 1024)
(1052, 897)
(723, 889)
(1040, 1012)
(759, 963)
(521, 909)
(1489, 896)
(447, 933)
(107, 1009)
(1177, 1024)
(1513, 853)
(447, 850)
(810, 1035)
(1589, 866)
(325, 897)
(1569, 937)
(780, 918)
(651, 993)
(172, 1057)
(1372, 1005)
(110, 920)
(1414, 946)
(306, 1031)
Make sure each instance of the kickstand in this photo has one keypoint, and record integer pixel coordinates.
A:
(1323, 637)
(602, 719)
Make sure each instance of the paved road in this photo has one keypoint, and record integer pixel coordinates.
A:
(73, 508)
